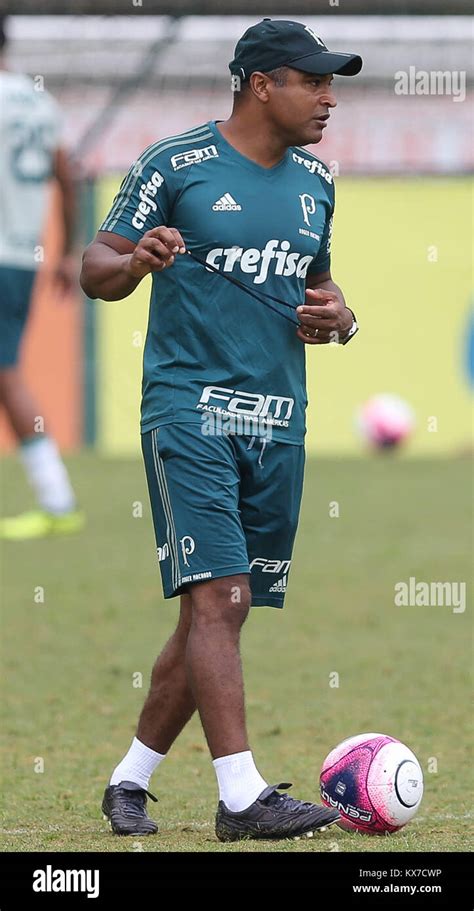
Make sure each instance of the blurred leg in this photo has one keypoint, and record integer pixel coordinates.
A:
(18, 402)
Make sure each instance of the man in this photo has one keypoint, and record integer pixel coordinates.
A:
(30, 154)
(254, 212)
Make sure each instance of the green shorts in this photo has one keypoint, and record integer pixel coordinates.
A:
(223, 505)
(16, 286)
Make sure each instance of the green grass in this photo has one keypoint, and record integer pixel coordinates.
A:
(68, 662)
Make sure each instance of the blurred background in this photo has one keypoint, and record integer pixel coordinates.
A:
(402, 248)
(85, 617)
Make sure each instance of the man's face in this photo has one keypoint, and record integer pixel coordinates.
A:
(300, 108)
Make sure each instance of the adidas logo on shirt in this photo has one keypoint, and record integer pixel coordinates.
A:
(226, 203)
(279, 586)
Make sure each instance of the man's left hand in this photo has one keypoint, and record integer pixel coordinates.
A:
(324, 322)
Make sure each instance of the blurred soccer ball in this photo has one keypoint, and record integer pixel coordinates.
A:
(385, 421)
(374, 781)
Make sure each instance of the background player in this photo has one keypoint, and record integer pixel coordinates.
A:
(30, 155)
(251, 205)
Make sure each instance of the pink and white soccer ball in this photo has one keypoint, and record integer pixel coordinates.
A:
(374, 781)
(385, 421)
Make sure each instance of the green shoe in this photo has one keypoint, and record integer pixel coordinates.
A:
(40, 524)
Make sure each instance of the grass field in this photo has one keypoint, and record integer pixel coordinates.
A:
(69, 662)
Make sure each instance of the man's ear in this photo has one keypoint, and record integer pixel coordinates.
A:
(259, 86)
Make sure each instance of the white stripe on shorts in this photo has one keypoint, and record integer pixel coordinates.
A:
(166, 503)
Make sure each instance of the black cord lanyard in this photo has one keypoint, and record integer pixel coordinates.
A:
(243, 287)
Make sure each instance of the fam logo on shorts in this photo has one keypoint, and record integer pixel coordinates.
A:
(163, 552)
(193, 156)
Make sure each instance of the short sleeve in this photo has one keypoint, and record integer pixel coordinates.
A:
(322, 261)
(142, 202)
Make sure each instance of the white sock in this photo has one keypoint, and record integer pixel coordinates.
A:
(138, 765)
(47, 474)
(240, 782)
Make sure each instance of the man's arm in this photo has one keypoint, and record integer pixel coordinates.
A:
(324, 280)
(62, 171)
(329, 315)
(66, 269)
(113, 266)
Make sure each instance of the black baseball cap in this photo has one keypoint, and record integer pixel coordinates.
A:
(280, 42)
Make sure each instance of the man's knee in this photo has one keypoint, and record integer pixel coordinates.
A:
(225, 600)
(185, 617)
(8, 378)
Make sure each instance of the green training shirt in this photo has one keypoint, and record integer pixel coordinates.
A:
(211, 350)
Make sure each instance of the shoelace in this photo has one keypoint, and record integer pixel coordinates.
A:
(136, 798)
(285, 802)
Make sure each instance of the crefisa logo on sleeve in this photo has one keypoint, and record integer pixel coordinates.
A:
(51, 880)
(146, 194)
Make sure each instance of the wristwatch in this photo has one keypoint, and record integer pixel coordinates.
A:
(352, 331)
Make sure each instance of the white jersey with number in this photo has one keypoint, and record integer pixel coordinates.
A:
(29, 135)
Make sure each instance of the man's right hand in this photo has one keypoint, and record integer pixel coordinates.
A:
(113, 265)
(155, 251)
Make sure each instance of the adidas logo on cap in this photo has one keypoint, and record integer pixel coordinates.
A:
(226, 203)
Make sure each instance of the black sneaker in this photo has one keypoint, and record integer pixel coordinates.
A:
(273, 816)
(124, 806)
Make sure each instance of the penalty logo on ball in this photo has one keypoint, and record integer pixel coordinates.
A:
(374, 781)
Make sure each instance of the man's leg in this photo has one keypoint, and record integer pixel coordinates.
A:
(199, 666)
(168, 707)
(170, 702)
(38, 453)
(41, 460)
(219, 609)
(212, 613)
(18, 402)
(191, 476)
